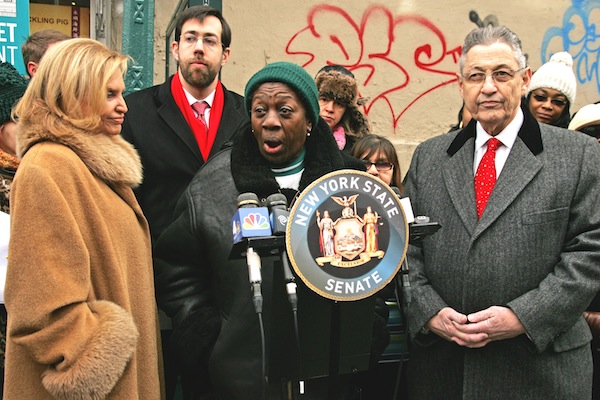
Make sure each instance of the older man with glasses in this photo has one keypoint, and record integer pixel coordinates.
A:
(499, 291)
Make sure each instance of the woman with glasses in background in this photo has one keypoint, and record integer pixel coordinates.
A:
(552, 91)
(380, 158)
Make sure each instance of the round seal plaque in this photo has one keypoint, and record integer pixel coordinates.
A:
(347, 235)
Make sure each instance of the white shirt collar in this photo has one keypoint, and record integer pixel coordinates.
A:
(209, 99)
(507, 136)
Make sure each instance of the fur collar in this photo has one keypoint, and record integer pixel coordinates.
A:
(252, 173)
(8, 162)
(111, 158)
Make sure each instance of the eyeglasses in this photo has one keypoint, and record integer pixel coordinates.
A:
(499, 76)
(379, 165)
(209, 42)
(557, 102)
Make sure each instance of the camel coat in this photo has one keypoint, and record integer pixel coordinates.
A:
(79, 291)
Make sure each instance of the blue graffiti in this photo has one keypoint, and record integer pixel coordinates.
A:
(580, 37)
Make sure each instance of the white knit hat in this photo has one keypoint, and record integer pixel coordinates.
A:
(556, 74)
(586, 116)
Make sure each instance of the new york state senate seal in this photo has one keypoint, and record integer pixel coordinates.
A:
(347, 235)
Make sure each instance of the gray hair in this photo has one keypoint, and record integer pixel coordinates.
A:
(489, 35)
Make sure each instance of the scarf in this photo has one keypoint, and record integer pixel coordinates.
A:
(205, 141)
(340, 136)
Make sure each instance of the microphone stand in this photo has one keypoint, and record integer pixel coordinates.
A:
(418, 231)
(334, 352)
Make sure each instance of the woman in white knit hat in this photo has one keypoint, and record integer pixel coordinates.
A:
(552, 91)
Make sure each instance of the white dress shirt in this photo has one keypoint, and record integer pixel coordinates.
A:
(209, 99)
(507, 137)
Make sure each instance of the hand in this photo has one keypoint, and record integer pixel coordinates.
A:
(593, 320)
(449, 324)
(498, 323)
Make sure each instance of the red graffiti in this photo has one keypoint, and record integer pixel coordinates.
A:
(377, 50)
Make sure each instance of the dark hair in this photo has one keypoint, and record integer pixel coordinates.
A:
(199, 13)
(563, 119)
(37, 43)
(372, 144)
(338, 68)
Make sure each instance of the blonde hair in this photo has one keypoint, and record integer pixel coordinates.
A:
(70, 86)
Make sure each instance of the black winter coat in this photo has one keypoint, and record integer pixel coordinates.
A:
(168, 149)
(207, 294)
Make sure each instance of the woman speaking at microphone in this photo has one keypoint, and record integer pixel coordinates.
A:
(282, 149)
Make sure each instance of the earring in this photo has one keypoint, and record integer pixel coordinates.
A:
(252, 131)
(308, 134)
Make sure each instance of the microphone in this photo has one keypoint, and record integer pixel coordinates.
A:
(419, 226)
(254, 275)
(279, 215)
(404, 269)
(251, 220)
(251, 227)
(406, 206)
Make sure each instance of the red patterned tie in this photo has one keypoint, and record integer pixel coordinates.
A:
(200, 107)
(485, 178)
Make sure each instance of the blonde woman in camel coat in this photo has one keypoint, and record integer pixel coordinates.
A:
(79, 292)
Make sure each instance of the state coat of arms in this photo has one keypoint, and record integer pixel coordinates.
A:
(347, 235)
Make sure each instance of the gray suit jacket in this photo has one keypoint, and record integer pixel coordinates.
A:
(536, 250)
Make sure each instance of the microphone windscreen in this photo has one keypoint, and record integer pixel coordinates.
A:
(277, 200)
(247, 200)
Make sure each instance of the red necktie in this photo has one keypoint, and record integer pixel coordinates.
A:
(485, 178)
(200, 107)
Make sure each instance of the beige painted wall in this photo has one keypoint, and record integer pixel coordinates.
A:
(404, 53)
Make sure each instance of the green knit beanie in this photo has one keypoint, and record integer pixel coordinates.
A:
(12, 88)
(292, 75)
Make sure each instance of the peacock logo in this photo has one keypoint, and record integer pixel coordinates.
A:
(255, 221)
